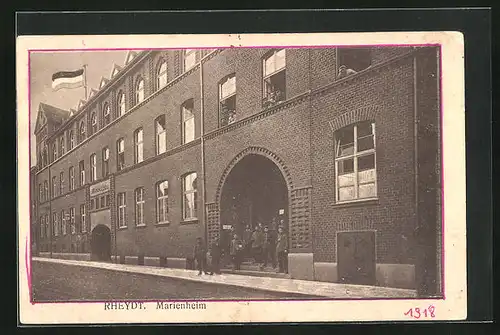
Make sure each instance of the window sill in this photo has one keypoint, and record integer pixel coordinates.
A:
(140, 226)
(123, 228)
(162, 224)
(355, 203)
(189, 221)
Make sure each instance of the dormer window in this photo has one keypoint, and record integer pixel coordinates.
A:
(227, 100)
(274, 77)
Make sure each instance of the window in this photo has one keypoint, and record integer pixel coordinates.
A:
(45, 156)
(139, 90)
(105, 162)
(54, 186)
(71, 140)
(42, 226)
(81, 132)
(63, 223)
(40, 193)
(139, 146)
(187, 122)
(121, 103)
(274, 78)
(72, 220)
(161, 135)
(227, 100)
(189, 203)
(54, 152)
(55, 224)
(93, 168)
(93, 123)
(162, 202)
(139, 206)
(46, 190)
(352, 60)
(122, 205)
(355, 162)
(83, 226)
(71, 178)
(162, 75)
(61, 145)
(120, 154)
(106, 114)
(61, 183)
(81, 166)
(189, 58)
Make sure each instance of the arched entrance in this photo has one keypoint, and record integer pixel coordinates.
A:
(253, 192)
(100, 245)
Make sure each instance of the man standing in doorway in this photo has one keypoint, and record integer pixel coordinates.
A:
(257, 243)
(268, 251)
(282, 250)
(247, 241)
(199, 255)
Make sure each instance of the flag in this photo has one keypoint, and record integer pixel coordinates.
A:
(67, 79)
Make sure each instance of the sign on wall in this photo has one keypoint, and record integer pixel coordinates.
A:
(100, 188)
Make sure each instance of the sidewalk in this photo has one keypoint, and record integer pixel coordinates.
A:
(284, 285)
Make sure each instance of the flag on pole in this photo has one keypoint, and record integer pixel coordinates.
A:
(68, 79)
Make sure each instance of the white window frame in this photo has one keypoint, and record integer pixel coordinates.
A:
(162, 76)
(61, 183)
(120, 151)
(82, 173)
(83, 223)
(121, 104)
(64, 228)
(122, 210)
(61, 144)
(72, 220)
(71, 178)
(355, 156)
(106, 113)
(93, 167)
(265, 75)
(93, 122)
(71, 139)
(54, 151)
(161, 133)
(138, 145)
(186, 192)
(54, 224)
(139, 204)
(185, 121)
(223, 98)
(105, 162)
(162, 203)
(139, 90)
(189, 59)
(82, 131)
(54, 186)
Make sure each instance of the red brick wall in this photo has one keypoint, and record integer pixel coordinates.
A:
(390, 90)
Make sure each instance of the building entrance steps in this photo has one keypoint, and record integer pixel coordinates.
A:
(284, 285)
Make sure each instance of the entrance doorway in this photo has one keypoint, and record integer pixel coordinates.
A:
(255, 192)
(100, 245)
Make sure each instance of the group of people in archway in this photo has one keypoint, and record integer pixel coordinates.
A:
(261, 245)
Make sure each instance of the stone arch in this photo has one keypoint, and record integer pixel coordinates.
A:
(256, 151)
(354, 116)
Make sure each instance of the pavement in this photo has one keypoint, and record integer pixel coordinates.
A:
(278, 285)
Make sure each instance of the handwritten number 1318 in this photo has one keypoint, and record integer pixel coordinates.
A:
(418, 313)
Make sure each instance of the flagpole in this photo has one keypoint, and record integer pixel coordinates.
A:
(85, 79)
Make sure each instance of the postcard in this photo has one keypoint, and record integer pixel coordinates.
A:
(313, 177)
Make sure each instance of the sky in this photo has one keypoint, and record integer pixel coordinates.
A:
(44, 64)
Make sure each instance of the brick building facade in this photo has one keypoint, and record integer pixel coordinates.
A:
(218, 138)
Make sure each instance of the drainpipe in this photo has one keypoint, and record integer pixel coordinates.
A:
(49, 182)
(202, 136)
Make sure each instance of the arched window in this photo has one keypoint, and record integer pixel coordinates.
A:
(61, 145)
(45, 156)
(188, 124)
(162, 202)
(54, 152)
(121, 103)
(81, 131)
(274, 77)
(106, 114)
(71, 140)
(161, 80)
(93, 123)
(355, 162)
(190, 196)
(139, 90)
